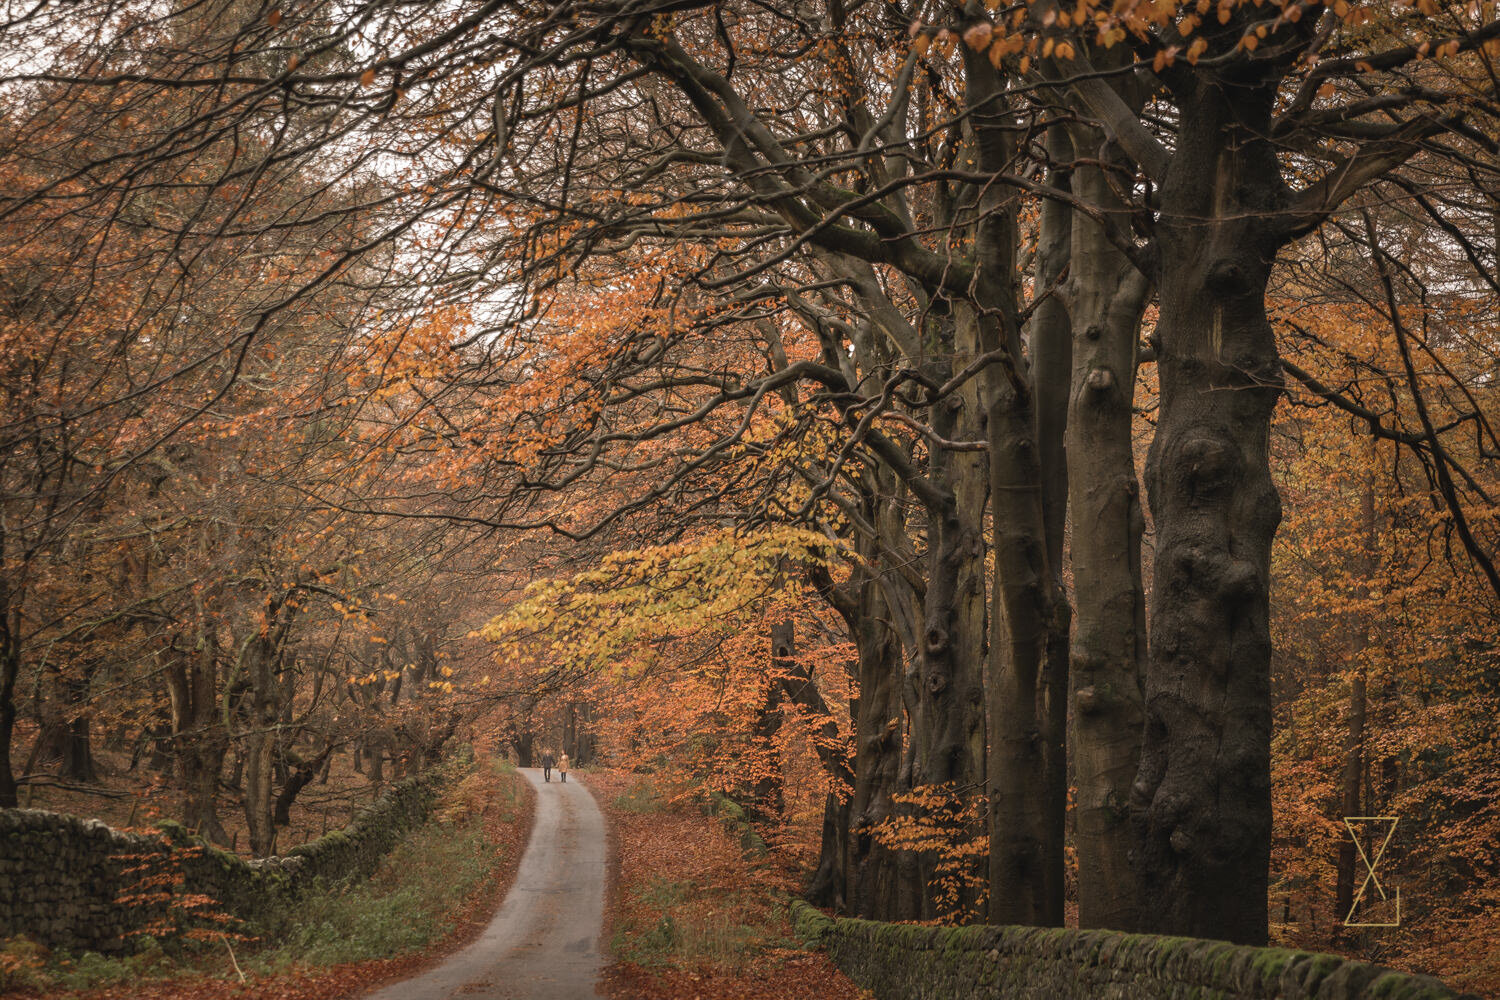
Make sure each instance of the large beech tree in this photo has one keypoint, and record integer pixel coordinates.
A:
(1279, 116)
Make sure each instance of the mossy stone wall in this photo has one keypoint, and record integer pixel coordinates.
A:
(61, 876)
(909, 962)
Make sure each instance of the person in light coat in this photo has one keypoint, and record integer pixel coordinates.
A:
(562, 767)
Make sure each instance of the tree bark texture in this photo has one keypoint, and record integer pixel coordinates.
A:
(951, 657)
(1026, 681)
(1051, 351)
(1202, 801)
(1106, 296)
(873, 877)
(1025, 834)
(829, 885)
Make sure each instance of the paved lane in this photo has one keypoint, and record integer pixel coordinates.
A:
(543, 943)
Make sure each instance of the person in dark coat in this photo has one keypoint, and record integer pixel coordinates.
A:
(546, 765)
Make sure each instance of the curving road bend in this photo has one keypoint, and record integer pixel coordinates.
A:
(544, 940)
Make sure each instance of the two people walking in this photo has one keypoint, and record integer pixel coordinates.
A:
(548, 763)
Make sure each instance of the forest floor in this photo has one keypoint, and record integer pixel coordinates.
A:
(689, 916)
(432, 895)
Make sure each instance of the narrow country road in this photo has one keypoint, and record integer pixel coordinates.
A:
(544, 940)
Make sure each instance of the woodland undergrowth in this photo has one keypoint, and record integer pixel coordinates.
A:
(690, 916)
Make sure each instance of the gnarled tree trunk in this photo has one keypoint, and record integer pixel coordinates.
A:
(951, 655)
(1202, 798)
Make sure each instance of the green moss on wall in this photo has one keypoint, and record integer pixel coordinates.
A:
(912, 962)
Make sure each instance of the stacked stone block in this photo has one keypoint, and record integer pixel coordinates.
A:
(61, 877)
(911, 962)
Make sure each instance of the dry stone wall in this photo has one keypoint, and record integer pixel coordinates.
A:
(61, 877)
(909, 962)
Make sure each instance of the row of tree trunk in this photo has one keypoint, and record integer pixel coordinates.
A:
(970, 675)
